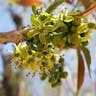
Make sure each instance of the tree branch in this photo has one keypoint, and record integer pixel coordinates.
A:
(86, 13)
(15, 36)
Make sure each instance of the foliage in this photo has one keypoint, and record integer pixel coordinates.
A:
(49, 34)
(81, 69)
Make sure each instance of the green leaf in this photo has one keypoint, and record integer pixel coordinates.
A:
(34, 9)
(81, 71)
(91, 25)
(74, 13)
(50, 28)
(85, 43)
(68, 19)
(57, 25)
(87, 58)
(82, 28)
(42, 37)
(54, 5)
(35, 21)
(43, 16)
(31, 33)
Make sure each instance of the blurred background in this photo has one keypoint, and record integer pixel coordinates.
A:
(15, 82)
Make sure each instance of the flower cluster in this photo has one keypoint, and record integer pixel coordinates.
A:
(49, 34)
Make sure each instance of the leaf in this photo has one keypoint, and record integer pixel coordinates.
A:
(42, 37)
(31, 33)
(35, 21)
(50, 28)
(91, 25)
(34, 9)
(68, 19)
(87, 58)
(82, 28)
(44, 17)
(81, 69)
(54, 5)
(74, 13)
(56, 25)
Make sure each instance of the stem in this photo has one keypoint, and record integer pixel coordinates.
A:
(89, 11)
(86, 13)
(77, 93)
(54, 5)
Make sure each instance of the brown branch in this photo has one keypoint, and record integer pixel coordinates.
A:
(86, 13)
(89, 11)
(15, 36)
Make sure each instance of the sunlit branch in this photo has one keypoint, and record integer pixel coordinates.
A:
(15, 36)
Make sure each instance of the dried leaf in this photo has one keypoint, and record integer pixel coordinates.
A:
(81, 69)
(87, 58)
